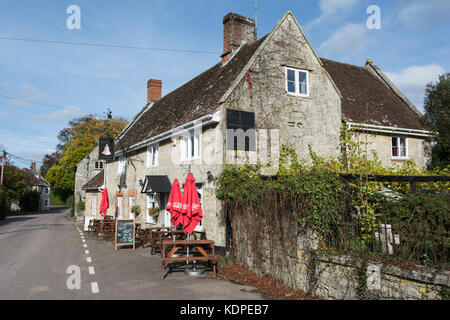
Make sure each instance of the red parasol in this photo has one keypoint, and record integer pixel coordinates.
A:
(174, 203)
(104, 204)
(192, 211)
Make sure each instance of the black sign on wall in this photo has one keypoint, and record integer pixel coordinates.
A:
(106, 149)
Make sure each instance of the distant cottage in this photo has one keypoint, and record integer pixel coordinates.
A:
(263, 94)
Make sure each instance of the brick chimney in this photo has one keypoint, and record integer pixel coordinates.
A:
(153, 90)
(33, 166)
(237, 30)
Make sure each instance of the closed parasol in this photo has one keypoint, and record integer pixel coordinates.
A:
(104, 205)
(191, 211)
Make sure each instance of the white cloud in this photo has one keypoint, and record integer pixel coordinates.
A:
(330, 7)
(347, 40)
(26, 92)
(420, 13)
(412, 81)
(62, 115)
(27, 146)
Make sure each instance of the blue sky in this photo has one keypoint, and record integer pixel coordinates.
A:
(412, 48)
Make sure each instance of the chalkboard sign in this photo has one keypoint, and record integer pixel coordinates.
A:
(124, 234)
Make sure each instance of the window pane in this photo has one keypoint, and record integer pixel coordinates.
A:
(291, 75)
(403, 152)
(394, 151)
(291, 87)
(394, 142)
(403, 147)
(302, 85)
(291, 81)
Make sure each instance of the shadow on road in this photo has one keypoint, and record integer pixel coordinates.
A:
(23, 216)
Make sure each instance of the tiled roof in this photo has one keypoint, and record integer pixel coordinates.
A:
(95, 182)
(367, 99)
(195, 99)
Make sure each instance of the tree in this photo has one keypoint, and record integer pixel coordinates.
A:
(15, 181)
(77, 141)
(437, 116)
(48, 161)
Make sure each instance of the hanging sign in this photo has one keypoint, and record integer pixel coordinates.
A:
(106, 148)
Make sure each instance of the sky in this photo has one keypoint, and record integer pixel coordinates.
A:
(56, 82)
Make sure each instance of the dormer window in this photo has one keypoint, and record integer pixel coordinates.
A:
(98, 165)
(297, 82)
(121, 166)
(190, 146)
(152, 156)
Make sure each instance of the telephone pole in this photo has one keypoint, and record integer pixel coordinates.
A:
(3, 166)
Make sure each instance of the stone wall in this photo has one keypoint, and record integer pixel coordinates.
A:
(169, 164)
(85, 171)
(279, 248)
(419, 150)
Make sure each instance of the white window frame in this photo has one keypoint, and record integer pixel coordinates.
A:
(399, 157)
(153, 156)
(131, 203)
(187, 142)
(121, 165)
(297, 91)
(98, 165)
(150, 202)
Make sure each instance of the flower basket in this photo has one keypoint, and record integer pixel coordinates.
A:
(135, 209)
(153, 212)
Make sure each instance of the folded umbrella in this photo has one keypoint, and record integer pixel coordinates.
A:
(104, 205)
(191, 211)
(174, 203)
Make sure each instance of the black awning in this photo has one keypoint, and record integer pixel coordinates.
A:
(156, 184)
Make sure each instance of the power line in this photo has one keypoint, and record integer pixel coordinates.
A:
(40, 103)
(21, 159)
(107, 45)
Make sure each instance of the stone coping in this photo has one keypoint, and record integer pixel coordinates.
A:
(419, 273)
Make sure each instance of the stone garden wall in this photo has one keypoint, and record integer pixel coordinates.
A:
(279, 248)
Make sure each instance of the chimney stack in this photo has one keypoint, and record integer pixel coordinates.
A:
(237, 30)
(33, 166)
(153, 90)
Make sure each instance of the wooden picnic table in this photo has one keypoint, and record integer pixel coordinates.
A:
(159, 235)
(207, 254)
(147, 233)
(107, 228)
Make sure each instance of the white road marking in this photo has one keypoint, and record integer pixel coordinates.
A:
(88, 259)
(83, 240)
(86, 251)
(94, 287)
(85, 245)
(91, 270)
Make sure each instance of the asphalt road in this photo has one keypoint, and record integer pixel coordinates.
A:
(43, 256)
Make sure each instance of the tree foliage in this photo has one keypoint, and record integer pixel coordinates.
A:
(437, 115)
(76, 142)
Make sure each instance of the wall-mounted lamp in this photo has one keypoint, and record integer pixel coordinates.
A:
(210, 176)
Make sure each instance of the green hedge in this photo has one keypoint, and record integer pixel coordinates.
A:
(3, 204)
(29, 201)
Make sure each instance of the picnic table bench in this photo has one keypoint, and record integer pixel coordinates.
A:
(159, 235)
(198, 247)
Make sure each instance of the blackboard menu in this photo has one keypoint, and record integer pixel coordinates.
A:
(124, 234)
